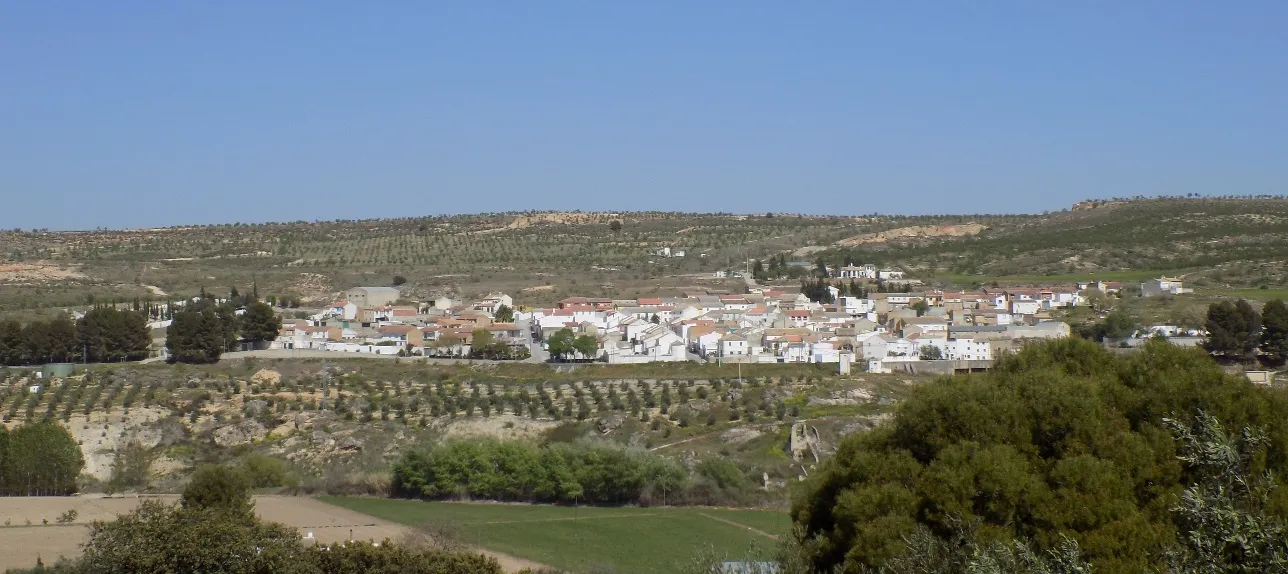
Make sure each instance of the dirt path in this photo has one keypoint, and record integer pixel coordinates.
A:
(26, 537)
(690, 439)
(740, 525)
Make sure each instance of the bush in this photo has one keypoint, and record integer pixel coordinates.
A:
(218, 486)
(262, 471)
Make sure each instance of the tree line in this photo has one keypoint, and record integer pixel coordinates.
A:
(104, 335)
(39, 459)
(207, 328)
(561, 473)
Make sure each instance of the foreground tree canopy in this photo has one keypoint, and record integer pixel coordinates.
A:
(1062, 441)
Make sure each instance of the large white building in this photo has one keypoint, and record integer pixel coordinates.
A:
(372, 296)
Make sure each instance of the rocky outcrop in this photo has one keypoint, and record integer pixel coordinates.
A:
(237, 434)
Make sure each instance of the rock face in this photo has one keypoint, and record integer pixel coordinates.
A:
(739, 435)
(266, 377)
(241, 433)
(611, 423)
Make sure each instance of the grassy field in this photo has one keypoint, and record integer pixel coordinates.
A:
(1254, 294)
(646, 540)
(1053, 279)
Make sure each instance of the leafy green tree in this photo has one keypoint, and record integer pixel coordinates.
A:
(1274, 331)
(587, 346)
(39, 459)
(106, 334)
(260, 324)
(195, 337)
(1120, 324)
(1225, 519)
(921, 306)
(215, 486)
(931, 353)
(161, 538)
(12, 345)
(560, 344)
(1233, 330)
(504, 314)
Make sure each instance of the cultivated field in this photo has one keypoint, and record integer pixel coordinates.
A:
(24, 536)
(627, 539)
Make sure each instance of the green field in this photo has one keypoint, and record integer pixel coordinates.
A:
(1254, 294)
(628, 539)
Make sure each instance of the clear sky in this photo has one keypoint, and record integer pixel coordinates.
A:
(146, 113)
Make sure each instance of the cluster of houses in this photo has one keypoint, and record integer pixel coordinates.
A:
(764, 325)
(370, 320)
(774, 326)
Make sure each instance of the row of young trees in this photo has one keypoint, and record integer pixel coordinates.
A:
(39, 459)
(203, 331)
(1238, 332)
(104, 335)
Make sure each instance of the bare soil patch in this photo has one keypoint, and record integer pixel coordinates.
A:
(21, 544)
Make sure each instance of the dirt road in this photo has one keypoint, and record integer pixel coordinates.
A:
(24, 536)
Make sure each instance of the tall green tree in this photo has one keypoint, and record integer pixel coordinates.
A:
(12, 346)
(1274, 331)
(107, 334)
(587, 346)
(39, 459)
(504, 314)
(560, 344)
(195, 337)
(260, 324)
(1233, 330)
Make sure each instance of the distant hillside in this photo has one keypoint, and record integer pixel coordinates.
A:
(544, 256)
(1238, 241)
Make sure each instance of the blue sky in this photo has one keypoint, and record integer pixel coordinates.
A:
(133, 113)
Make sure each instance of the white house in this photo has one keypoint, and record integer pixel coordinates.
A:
(1019, 307)
(344, 310)
(1163, 286)
(889, 275)
(858, 272)
(855, 306)
(733, 345)
(968, 349)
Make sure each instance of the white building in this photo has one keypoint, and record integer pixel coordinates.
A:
(1163, 286)
(734, 346)
(858, 272)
